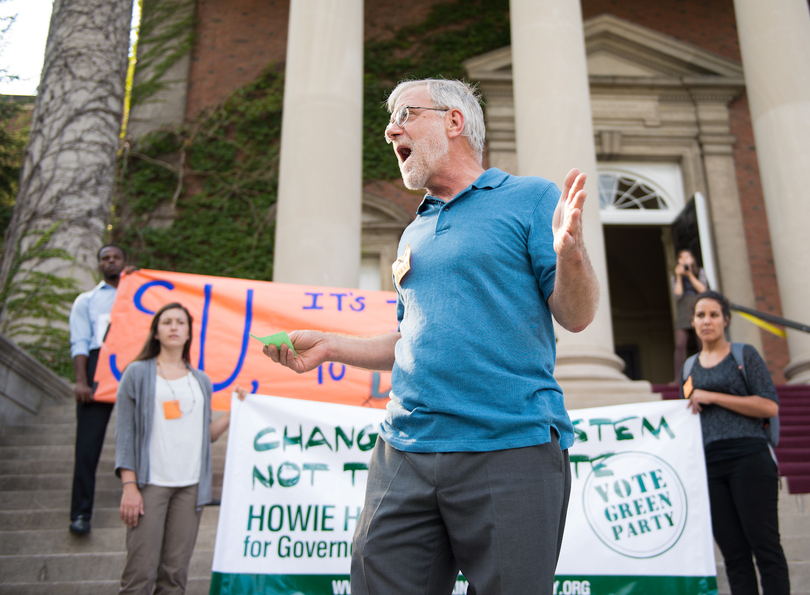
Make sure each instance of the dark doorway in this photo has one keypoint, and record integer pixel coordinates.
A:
(639, 300)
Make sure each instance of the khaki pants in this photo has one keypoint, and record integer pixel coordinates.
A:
(159, 549)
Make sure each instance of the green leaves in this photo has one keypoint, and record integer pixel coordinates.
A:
(33, 296)
(453, 32)
(224, 212)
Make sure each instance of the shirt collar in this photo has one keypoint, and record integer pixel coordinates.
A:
(490, 179)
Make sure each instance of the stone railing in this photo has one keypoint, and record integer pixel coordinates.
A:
(24, 383)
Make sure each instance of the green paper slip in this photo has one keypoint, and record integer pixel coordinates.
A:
(277, 339)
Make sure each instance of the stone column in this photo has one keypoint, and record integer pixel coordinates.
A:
(320, 177)
(717, 144)
(554, 132)
(775, 46)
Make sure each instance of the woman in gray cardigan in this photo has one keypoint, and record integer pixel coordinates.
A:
(163, 454)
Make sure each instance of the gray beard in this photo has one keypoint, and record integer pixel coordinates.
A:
(433, 148)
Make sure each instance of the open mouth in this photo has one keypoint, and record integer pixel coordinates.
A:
(404, 153)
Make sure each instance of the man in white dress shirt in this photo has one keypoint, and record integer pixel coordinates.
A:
(89, 319)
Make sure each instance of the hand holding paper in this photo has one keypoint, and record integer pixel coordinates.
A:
(312, 351)
(278, 339)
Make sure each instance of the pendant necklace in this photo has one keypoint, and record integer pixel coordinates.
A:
(175, 400)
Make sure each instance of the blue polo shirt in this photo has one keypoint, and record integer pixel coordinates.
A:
(474, 368)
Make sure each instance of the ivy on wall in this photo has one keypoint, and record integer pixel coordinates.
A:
(216, 180)
(13, 140)
(164, 39)
(452, 33)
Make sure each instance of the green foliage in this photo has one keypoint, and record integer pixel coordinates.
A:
(224, 211)
(34, 296)
(224, 201)
(165, 39)
(453, 32)
(13, 139)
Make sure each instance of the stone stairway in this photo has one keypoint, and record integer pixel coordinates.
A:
(37, 553)
(39, 556)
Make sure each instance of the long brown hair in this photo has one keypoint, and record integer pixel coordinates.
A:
(151, 348)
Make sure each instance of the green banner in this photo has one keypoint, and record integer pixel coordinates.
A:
(335, 584)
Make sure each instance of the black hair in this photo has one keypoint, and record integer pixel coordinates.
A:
(718, 297)
(124, 252)
(151, 348)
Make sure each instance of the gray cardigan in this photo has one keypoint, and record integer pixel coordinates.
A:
(133, 424)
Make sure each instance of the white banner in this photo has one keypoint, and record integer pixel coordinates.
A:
(638, 518)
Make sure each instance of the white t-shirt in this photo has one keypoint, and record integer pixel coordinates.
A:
(175, 447)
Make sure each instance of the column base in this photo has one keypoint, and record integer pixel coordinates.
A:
(798, 371)
(592, 377)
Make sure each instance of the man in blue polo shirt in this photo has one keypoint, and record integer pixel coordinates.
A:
(471, 471)
(89, 319)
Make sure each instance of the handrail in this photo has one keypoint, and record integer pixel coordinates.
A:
(771, 318)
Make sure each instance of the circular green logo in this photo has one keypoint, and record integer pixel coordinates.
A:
(636, 504)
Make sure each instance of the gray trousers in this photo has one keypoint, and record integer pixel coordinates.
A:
(498, 517)
(159, 549)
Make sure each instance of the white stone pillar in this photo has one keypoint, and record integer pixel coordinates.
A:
(320, 179)
(775, 47)
(554, 132)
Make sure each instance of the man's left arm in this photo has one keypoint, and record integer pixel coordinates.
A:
(576, 289)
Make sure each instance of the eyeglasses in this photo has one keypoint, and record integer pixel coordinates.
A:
(401, 116)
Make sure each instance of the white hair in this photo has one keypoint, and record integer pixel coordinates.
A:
(451, 94)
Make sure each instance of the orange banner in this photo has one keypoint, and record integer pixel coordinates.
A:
(226, 310)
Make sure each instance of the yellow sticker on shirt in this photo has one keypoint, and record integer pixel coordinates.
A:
(402, 265)
(171, 409)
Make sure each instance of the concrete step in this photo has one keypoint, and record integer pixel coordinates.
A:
(51, 588)
(794, 524)
(56, 519)
(799, 578)
(99, 540)
(58, 568)
(64, 481)
(38, 429)
(195, 586)
(54, 499)
(46, 466)
(45, 438)
(53, 481)
(57, 453)
(50, 415)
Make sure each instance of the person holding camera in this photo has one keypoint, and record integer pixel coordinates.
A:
(688, 280)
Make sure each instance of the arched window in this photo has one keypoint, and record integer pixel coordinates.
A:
(627, 198)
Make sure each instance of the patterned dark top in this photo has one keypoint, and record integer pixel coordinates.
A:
(720, 424)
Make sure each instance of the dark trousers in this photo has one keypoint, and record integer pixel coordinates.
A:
(496, 516)
(91, 425)
(744, 494)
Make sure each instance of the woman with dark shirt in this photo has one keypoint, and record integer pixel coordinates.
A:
(743, 480)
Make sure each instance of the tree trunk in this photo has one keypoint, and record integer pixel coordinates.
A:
(69, 168)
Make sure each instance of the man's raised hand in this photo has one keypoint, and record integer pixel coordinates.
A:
(567, 222)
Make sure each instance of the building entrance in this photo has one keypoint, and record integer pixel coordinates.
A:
(638, 277)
